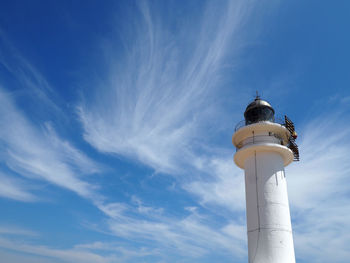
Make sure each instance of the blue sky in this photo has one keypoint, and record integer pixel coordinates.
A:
(116, 121)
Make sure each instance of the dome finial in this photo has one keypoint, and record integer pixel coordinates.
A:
(257, 97)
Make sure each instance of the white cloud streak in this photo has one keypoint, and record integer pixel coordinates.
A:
(319, 192)
(31, 82)
(152, 107)
(17, 231)
(61, 255)
(14, 239)
(14, 189)
(156, 97)
(225, 186)
(192, 236)
(39, 154)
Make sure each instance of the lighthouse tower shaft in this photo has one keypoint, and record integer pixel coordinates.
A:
(268, 219)
(263, 152)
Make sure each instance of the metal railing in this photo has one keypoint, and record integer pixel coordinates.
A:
(242, 123)
(286, 122)
(271, 137)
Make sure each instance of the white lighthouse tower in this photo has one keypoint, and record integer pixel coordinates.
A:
(264, 147)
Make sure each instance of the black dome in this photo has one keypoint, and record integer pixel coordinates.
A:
(259, 110)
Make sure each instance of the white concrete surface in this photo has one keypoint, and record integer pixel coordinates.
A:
(262, 153)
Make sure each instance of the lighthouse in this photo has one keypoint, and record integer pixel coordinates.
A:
(264, 146)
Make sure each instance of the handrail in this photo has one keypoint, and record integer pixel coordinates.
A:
(242, 123)
(286, 122)
(257, 139)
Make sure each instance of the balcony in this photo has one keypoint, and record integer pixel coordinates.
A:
(271, 137)
(278, 120)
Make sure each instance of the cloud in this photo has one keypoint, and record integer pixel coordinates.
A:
(39, 154)
(225, 186)
(17, 231)
(190, 236)
(14, 189)
(325, 163)
(150, 239)
(156, 97)
(29, 82)
(15, 257)
(97, 252)
(153, 106)
(60, 255)
(318, 190)
(14, 239)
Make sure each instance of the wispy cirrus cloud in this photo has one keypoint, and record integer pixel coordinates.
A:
(23, 245)
(31, 151)
(37, 153)
(28, 82)
(191, 236)
(325, 164)
(158, 238)
(153, 100)
(319, 194)
(16, 231)
(222, 184)
(14, 251)
(153, 106)
(54, 255)
(15, 189)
